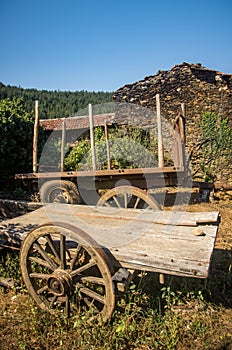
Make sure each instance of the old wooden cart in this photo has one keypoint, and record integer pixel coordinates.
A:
(86, 254)
(78, 187)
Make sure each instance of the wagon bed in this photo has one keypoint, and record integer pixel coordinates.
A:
(159, 241)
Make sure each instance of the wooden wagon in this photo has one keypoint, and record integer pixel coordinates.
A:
(86, 186)
(85, 255)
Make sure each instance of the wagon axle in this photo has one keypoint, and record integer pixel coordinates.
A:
(59, 283)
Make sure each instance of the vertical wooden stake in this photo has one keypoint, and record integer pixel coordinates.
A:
(183, 114)
(184, 139)
(63, 141)
(160, 138)
(91, 128)
(107, 146)
(183, 109)
(161, 278)
(35, 138)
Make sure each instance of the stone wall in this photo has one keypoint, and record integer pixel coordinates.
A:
(199, 88)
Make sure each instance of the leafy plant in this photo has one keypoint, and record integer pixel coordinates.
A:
(216, 145)
(9, 266)
(129, 148)
(77, 153)
(16, 137)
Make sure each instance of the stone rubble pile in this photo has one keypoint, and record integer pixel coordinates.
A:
(11, 234)
(199, 88)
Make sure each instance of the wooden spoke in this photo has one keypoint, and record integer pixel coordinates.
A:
(125, 200)
(40, 262)
(39, 275)
(62, 252)
(46, 257)
(93, 279)
(137, 202)
(74, 260)
(43, 289)
(67, 306)
(93, 295)
(116, 201)
(82, 268)
(142, 199)
(52, 247)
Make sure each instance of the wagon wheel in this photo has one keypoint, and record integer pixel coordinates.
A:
(59, 191)
(65, 270)
(128, 197)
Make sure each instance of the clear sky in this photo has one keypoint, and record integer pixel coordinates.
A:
(104, 44)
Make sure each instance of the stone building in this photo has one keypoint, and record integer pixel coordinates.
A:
(199, 88)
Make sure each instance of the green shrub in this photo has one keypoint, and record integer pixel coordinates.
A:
(16, 138)
(216, 145)
(129, 148)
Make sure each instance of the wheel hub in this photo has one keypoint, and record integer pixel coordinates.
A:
(61, 197)
(60, 283)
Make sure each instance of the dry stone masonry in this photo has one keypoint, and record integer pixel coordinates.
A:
(199, 88)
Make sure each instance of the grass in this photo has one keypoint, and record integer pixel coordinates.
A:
(183, 314)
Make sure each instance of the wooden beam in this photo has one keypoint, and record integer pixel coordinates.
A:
(63, 141)
(107, 145)
(160, 137)
(91, 128)
(35, 138)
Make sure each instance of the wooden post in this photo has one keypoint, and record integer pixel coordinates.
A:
(183, 114)
(161, 278)
(91, 127)
(63, 141)
(107, 146)
(184, 138)
(160, 138)
(35, 138)
(183, 108)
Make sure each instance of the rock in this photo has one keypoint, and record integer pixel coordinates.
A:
(198, 231)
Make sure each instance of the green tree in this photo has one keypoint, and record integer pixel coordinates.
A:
(55, 104)
(16, 136)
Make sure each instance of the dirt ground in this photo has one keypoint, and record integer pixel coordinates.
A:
(224, 236)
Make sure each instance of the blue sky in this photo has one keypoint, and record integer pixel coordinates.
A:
(104, 44)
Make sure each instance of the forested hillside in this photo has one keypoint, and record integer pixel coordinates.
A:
(55, 104)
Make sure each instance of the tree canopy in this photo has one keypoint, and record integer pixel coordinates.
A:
(55, 104)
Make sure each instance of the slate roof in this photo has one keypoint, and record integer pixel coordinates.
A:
(74, 123)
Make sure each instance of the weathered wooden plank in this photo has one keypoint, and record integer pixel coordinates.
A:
(116, 215)
(181, 255)
(166, 250)
(164, 267)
